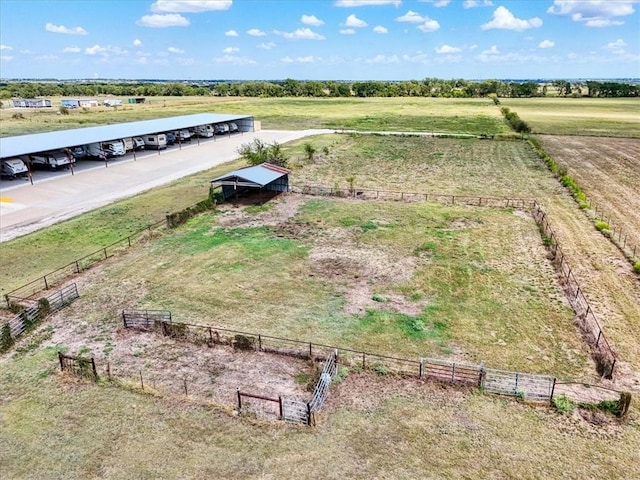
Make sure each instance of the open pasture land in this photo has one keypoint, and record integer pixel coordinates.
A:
(375, 427)
(598, 117)
(472, 116)
(608, 171)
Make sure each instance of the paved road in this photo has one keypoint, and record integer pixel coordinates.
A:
(25, 208)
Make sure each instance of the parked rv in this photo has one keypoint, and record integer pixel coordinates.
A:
(13, 168)
(171, 138)
(128, 143)
(138, 143)
(183, 135)
(53, 160)
(112, 102)
(233, 127)
(204, 131)
(95, 151)
(114, 148)
(156, 142)
(221, 128)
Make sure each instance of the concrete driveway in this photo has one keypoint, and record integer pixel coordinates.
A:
(25, 208)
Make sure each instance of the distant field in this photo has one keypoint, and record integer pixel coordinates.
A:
(472, 116)
(599, 117)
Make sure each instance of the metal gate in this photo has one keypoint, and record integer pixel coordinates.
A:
(295, 411)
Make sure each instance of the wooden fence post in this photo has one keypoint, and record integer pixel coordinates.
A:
(141, 380)
(363, 361)
(239, 400)
(93, 366)
(553, 389)
(280, 403)
(421, 370)
(61, 360)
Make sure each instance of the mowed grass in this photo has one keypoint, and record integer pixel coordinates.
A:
(53, 427)
(477, 278)
(472, 116)
(600, 117)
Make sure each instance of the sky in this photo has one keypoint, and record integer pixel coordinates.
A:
(319, 40)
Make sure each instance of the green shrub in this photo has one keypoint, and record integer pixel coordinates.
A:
(6, 341)
(379, 298)
(562, 404)
(600, 226)
(381, 370)
(636, 267)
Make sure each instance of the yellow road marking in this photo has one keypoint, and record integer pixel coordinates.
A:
(6, 199)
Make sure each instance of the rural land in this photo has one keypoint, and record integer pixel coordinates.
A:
(488, 232)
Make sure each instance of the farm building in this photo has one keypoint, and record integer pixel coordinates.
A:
(31, 103)
(136, 100)
(76, 103)
(259, 178)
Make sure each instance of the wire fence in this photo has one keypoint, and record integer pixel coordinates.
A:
(621, 238)
(601, 350)
(51, 279)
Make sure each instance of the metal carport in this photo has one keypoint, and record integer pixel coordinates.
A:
(263, 177)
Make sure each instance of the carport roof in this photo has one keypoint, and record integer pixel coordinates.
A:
(256, 176)
(40, 142)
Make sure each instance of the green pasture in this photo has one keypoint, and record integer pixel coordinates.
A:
(600, 117)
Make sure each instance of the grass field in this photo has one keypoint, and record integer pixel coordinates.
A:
(599, 117)
(459, 282)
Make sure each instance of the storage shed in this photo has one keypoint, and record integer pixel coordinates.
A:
(259, 178)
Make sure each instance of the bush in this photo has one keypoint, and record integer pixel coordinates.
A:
(562, 404)
(258, 152)
(44, 308)
(6, 341)
(600, 226)
(636, 267)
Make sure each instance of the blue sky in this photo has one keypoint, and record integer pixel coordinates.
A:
(313, 39)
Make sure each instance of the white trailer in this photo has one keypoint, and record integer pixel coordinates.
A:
(156, 142)
(13, 168)
(204, 131)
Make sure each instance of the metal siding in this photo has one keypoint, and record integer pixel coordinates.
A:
(40, 142)
(258, 174)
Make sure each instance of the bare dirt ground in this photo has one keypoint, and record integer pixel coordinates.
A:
(608, 171)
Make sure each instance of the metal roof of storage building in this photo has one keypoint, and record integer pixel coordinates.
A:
(256, 176)
(40, 142)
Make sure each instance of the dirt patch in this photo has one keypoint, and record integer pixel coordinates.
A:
(277, 211)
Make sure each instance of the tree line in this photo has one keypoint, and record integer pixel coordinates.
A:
(429, 87)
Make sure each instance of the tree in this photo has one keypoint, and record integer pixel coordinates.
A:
(309, 150)
(258, 152)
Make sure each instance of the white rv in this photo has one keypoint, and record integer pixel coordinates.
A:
(128, 144)
(13, 168)
(53, 160)
(112, 102)
(156, 142)
(94, 150)
(114, 148)
(183, 135)
(204, 131)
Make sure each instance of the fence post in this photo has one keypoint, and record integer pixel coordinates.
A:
(141, 380)
(481, 376)
(259, 343)
(109, 371)
(61, 360)
(210, 336)
(77, 267)
(186, 394)
(46, 285)
(613, 365)
(363, 361)
(421, 368)
(309, 414)
(239, 400)
(105, 252)
(453, 372)
(599, 335)
(280, 403)
(93, 366)
(310, 352)
(553, 389)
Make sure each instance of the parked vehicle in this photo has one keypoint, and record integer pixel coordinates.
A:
(112, 102)
(171, 138)
(204, 131)
(183, 135)
(221, 128)
(95, 151)
(78, 152)
(53, 160)
(13, 168)
(128, 143)
(114, 148)
(156, 142)
(138, 143)
(233, 127)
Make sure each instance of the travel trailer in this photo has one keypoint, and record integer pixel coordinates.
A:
(13, 168)
(112, 102)
(183, 135)
(128, 144)
(204, 131)
(53, 160)
(114, 148)
(155, 142)
(138, 143)
(221, 128)
(94, 150)
(233, 127)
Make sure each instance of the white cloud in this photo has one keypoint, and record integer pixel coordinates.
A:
(137, 43)
(429, 26)
(347, 31)
(233, 60)
(477, 3)
(50, 27)
(380, 29)
(266, 45)
(447, 49)
(190, 6)
(354, 22)
(287, 59)
(230, 33)
(362, 3)
(231, 50)
(437, 3)
(162, 21)
(5, 47)
(546, 44)
(175, 50)
(71, 50)
(616, 47)
(593, 13)
(311, 20)
(254, 32)
(300, 34)
(383, 59)
(411, 17)
(492, 51)
(307, 59)
(505, 20)
(104, 51)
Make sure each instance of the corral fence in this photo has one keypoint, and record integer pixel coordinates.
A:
(51, 279)
(530, 387)
(79, 366)
(618, 235)
(402, 196)
(38, 310)
(601, 351)
(144, 319)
